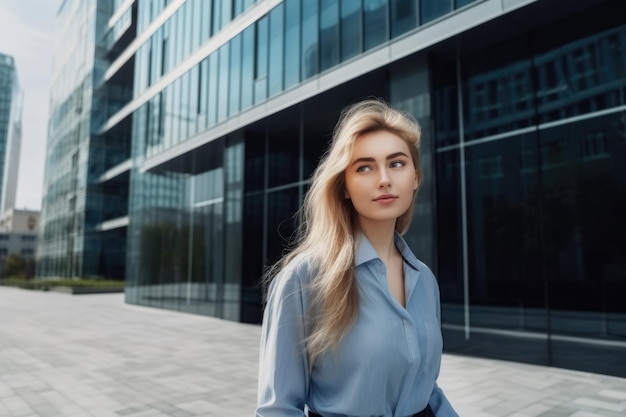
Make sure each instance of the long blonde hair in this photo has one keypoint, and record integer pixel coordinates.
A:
(327, 223)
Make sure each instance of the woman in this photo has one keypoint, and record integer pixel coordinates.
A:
(351, 326)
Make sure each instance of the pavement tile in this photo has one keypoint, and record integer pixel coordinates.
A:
(590, 402)
(95, 356)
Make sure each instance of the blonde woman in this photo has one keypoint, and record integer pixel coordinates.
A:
(352, 326)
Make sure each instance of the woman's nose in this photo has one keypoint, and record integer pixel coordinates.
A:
(384, 180)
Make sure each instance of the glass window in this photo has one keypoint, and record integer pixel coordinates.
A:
(205, 23)
(165, 50)
(374, 23)
(583, 201)
(238, 7)
(261, 55)
(351, 33)
(284, 156)
(329, 33)
(292, 42)
(171, 43)
(252, 252)
(445, 101)
(187, 11)
(213, 83)
(185, 103)
(247, 67)
(461, 3)
(276, 59)
(217, 15)
(176, 119)
(161, 121)
(168, 105)
(432, 9)
(233, 227)
(154, 139)
(281, 208)
(310, 31)
(179, 37)
(203, 93)
(144, 15)
(255, 162)
(146, 128)
(498, 93)
(147, 79)
(504, 218)
(194, 99)
(157, 55)
(571, 82)
(222, 108)
(227, 12)
(403, 16)
(235, 75)
(196, 6)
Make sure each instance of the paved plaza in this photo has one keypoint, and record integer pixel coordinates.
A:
(94, 355)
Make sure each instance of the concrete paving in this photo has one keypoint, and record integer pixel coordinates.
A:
(94, 355)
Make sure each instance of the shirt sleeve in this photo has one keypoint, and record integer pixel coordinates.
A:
(283, 366)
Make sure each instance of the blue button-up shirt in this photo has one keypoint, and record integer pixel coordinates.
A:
(386, 365)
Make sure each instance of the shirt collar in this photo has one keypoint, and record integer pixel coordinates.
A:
(365, 252)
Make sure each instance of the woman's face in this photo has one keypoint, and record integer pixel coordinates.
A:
(380, 179)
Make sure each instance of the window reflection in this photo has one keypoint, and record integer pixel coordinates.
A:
(292, 42)
(543, 195)
(351, 32)
(310, 17)
(374, 23)
(403, 16)
(329, 33)
(276, 56)
(432, 9)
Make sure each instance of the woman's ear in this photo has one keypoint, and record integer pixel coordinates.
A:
(346, 194)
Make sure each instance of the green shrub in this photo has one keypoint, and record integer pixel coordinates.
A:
(45, 284)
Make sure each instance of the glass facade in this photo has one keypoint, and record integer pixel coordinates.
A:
(295, 41)
(530, 137)
(85, 202)
(523, 150)
(10, 131)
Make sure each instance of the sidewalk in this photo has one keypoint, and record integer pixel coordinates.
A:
(94, 355)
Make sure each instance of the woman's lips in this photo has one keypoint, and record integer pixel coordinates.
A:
(386, 198)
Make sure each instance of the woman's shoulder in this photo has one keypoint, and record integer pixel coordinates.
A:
(295, 274)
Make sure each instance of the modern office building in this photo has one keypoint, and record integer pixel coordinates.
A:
(18, 237)
(85, 202)
(10, 131)
(522, 105)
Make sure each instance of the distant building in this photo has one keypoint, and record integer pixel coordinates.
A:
(19, 221)
(18, 236)
(85, 201)
(10, 131)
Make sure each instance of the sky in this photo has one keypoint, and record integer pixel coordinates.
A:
(27, 33)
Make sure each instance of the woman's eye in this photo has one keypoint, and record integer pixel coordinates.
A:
(363, 168)
(397, 164)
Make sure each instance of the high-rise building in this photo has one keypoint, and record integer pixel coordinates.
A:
(10, 131)
(85, 203)
(522, 105)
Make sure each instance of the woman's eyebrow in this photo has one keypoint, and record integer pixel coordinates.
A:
(371, 159)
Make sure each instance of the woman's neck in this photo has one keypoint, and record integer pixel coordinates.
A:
(382, 239)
